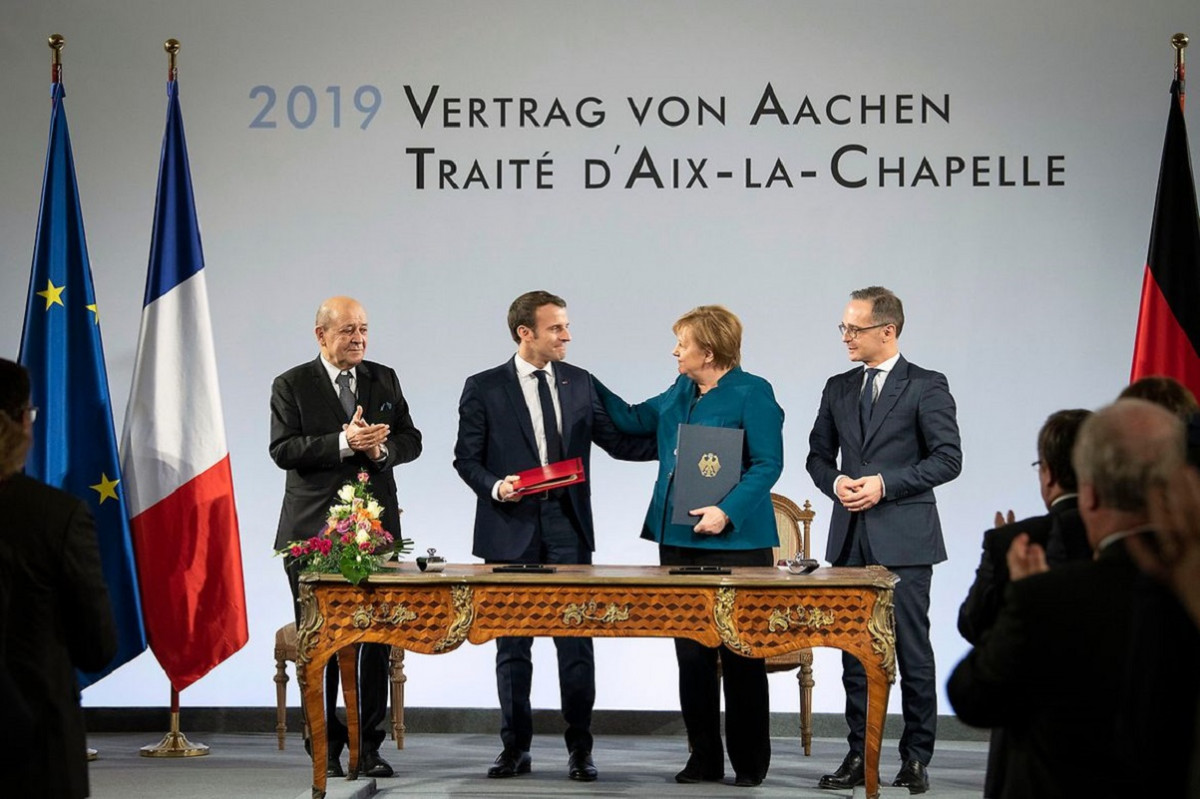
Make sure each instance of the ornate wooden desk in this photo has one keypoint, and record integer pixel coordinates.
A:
(755, 611)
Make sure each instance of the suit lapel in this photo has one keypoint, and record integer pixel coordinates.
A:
(366, 392)
(893, 387)
(848, 403)
(325, 390)
(567, 393)
(520, 411)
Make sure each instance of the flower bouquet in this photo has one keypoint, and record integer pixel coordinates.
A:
(353, 541)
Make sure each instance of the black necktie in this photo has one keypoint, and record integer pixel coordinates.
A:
(346, 395)
(549, 420)
(866, 400)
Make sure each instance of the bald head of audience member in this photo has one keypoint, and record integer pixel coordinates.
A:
(1121, 451)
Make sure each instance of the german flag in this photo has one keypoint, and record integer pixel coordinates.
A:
(1168, 329)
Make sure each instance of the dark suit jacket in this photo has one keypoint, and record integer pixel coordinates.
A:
(59, 621)
(1049, 672)
(1059, 531)
(912, 442)
(495, 439)
(306, 418)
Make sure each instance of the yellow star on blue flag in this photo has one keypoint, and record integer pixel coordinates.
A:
(107, 489)
(53, 294)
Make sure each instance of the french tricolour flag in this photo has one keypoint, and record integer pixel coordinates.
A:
(173, 452)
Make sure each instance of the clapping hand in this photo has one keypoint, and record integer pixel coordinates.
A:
(1026, 558)
(366, 438)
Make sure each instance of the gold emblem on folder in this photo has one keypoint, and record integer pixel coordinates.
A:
(709, 464)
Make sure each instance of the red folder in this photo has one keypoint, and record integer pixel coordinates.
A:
(554, 475)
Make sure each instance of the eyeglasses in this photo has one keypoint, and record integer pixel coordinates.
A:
(851, 332)
(1036, 464)
(32, 411)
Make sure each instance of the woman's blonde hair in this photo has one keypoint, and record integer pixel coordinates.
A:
(714, 328)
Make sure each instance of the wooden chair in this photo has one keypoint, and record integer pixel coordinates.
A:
(795, 535)
(285, 650)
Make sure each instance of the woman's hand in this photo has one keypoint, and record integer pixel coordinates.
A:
(712, 520)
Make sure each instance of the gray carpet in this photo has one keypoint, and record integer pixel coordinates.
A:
(453, 765)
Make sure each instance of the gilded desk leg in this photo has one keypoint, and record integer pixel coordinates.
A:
(348, 669)
(877, 698)
(313, 685)
(396, 672)
(805, 676)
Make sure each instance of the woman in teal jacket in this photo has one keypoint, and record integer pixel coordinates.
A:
(739, 530)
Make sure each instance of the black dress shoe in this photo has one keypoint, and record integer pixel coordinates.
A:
(372, 765)
(510, 763)
(914, 776)
(693, 772)
(580, 766)
(848, 775)
(746, 781)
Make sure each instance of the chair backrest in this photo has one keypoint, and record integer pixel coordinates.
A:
(794, 527)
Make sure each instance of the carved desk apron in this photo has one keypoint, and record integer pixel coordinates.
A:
(757, 612)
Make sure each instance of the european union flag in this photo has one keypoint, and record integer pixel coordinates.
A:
(74, 446)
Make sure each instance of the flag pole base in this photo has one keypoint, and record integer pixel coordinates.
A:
(175, 744)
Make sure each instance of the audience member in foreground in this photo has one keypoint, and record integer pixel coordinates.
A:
(58, 618)
(1060, 532)
(1051, 669)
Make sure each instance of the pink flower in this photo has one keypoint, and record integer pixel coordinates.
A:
(363, 477)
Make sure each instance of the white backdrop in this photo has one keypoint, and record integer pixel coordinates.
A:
(1024, 295)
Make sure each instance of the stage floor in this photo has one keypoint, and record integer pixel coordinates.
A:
(444, 765)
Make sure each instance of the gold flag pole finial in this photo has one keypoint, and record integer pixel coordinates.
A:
(1180, 42)
(56, 42)
(172, 48)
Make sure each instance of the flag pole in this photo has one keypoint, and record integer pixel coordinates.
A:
(56, 42)
(174, 743)
(1180, 42)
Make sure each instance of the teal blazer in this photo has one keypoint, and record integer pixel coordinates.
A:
(739, 400)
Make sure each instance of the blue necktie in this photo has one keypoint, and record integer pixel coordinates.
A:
(549, 420)
(866, 400)
(346, 395)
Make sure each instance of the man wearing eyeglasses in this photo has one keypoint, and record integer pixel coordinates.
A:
(884, 437)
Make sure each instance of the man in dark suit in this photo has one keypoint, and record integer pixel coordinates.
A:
(332, 418)
(58, 618)
(894, 426)
(1060, 533)
(1049, 671)
(532, 410)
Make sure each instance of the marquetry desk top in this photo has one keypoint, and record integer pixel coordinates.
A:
(757, 612)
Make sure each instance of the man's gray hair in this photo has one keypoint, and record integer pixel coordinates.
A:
(1125, 448)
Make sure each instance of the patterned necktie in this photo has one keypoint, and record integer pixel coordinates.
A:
(866, 400)
(346, 395)
(549, 420)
